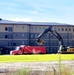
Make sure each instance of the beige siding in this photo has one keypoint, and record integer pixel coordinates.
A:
(41, 29)
(20, 28)
(37, 29)
(59, 29)
(2, 27)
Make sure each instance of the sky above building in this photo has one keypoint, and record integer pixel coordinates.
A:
(61, 11)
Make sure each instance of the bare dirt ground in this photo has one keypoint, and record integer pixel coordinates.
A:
(36, 66)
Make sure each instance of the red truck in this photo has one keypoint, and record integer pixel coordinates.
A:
(22, 49)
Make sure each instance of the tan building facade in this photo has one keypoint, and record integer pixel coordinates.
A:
(13, 34)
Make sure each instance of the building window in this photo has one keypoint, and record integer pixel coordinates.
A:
(70, 36)
(58, 29)
(23, 35)
(32, 28)
(8, 28)
(54, 28)
(43, 28)
(65, 29)
(9, 36)
(35, 28)
(22, 27)
(9, 43)
(5, 28)
(39, 28)
(62, 29)
(36, 35)
(32, 43)
(69, 29)
(31, 36)
(14, 44)
(23, 42)
(6, 36)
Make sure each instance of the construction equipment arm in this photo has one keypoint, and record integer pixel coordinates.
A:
(49, 29)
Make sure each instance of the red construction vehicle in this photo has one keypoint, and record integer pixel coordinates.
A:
(22, 49)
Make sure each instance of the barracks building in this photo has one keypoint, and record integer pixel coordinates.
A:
(13, 34)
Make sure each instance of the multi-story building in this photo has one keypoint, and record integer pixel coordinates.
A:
(25, 33)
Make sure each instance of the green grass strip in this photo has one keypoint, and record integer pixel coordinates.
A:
(36, 57)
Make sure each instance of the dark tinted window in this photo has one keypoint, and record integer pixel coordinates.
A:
(6, 36)
(5, 28)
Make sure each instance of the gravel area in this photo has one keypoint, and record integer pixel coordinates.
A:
(35, 66)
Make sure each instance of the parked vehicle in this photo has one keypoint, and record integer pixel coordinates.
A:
(67, 50)
(28, 50)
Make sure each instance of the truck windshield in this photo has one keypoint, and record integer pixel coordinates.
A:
(17, 48)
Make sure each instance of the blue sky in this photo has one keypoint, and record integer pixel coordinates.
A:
(61, 11)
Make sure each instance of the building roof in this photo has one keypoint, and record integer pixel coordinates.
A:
(47, 23)
(2, 21)
(5, 21)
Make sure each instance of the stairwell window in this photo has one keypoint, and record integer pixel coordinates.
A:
(8, 28)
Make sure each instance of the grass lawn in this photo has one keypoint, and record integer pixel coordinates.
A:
(36, 57)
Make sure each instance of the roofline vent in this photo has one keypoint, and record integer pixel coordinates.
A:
(0, 19)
